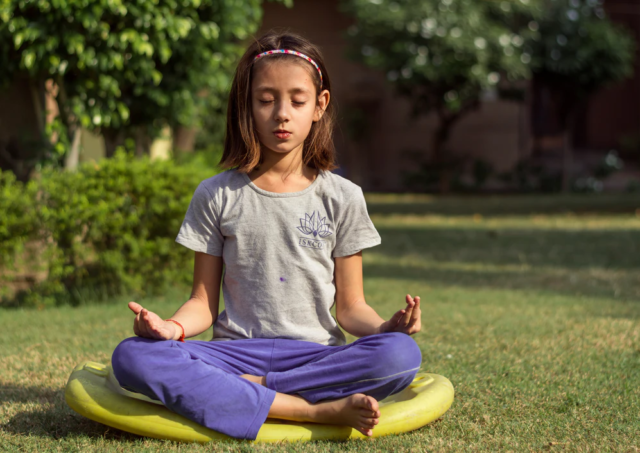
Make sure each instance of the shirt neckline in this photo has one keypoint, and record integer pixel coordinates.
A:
(284, 194)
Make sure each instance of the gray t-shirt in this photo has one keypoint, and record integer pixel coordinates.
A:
(278, 251)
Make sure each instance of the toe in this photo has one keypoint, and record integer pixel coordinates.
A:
(363, 402)
(369, 423)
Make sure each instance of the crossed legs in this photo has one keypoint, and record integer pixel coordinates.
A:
(233, 386)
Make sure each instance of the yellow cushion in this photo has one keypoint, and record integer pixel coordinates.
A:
(93, 392)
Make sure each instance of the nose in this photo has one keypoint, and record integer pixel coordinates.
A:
(281, 112)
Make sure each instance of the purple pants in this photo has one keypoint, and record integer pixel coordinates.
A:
(200, 379)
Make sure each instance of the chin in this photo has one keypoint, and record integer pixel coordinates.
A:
(281, 149)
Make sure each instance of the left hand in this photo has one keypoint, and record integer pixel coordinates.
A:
(406, 320)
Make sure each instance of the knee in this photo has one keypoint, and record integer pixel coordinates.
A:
(129, 360)
(397, 353)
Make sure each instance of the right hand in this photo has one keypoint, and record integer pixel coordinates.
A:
(149, 325)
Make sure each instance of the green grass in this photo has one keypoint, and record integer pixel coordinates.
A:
(531, 311)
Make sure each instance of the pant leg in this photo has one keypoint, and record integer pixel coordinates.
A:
(200, 380)
(376, 365)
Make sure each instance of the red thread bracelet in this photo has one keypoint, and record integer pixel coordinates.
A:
(179, 325)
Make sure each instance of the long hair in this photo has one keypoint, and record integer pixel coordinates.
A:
(241, 144)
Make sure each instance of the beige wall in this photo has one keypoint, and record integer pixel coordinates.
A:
(376, 163)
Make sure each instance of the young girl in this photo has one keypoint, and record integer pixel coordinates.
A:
(290, 234)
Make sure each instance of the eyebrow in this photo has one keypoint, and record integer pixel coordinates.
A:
(292, 90)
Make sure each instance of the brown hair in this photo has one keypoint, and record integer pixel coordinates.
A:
(241, 144)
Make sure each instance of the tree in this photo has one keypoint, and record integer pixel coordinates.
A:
(441, 54)
(575, 52)
(125, 69)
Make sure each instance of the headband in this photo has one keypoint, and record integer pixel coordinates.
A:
(292, 52)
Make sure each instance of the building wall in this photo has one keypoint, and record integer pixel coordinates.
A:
(496, 133)
(615, 112)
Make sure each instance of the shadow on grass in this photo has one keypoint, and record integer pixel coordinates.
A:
(544, 282)
(54, 419)
(560, 248)
(15, 394)
(502, 205)
(597, 263)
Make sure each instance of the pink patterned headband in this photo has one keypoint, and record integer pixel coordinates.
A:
(292, 52)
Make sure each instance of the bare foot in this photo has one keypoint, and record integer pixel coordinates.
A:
(358, 411)
(262, 380)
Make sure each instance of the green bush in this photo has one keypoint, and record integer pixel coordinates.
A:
(111, 227)
(18, 221)
(18, 225)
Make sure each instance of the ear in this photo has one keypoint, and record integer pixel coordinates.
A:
(321, 105)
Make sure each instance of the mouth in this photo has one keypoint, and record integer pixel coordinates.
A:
(282, 134)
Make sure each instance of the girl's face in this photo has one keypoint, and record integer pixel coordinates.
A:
(284, 105)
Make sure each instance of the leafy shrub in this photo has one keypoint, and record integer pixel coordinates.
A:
(18, 221)
(112, 227)
(18, 225)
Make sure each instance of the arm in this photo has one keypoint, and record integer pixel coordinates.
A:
(355, 315)
(352, 312)
(196, 315)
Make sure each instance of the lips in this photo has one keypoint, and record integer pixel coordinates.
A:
(282, 134)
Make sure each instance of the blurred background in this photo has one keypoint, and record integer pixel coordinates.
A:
(111, 112)
(432, 96)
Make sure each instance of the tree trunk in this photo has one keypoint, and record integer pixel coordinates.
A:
(112, 139)
(37, 96)
(446, 121)
(143, 142)
(184, 138)
(567, 152)
(73, 155)
(439, 140)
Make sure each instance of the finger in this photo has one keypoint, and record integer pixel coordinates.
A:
(135, 307)
(406, 319)
(411, 305)
(415, 315)
(136, 331)
(142, 326)
(136, 326)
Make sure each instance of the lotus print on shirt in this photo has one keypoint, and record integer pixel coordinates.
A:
(316, 228)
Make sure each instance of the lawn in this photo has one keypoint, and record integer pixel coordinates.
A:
(530, 307)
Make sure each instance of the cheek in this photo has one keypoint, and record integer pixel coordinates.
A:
(309, 114)
(260, 117)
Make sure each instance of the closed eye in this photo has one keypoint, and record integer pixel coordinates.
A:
(296, 103)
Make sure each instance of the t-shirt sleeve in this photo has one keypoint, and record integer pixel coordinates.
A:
(200, 230)
(356, 230)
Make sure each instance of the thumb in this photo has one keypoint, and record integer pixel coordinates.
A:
(135, 307)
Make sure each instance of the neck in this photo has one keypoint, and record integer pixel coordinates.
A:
(283, 164)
